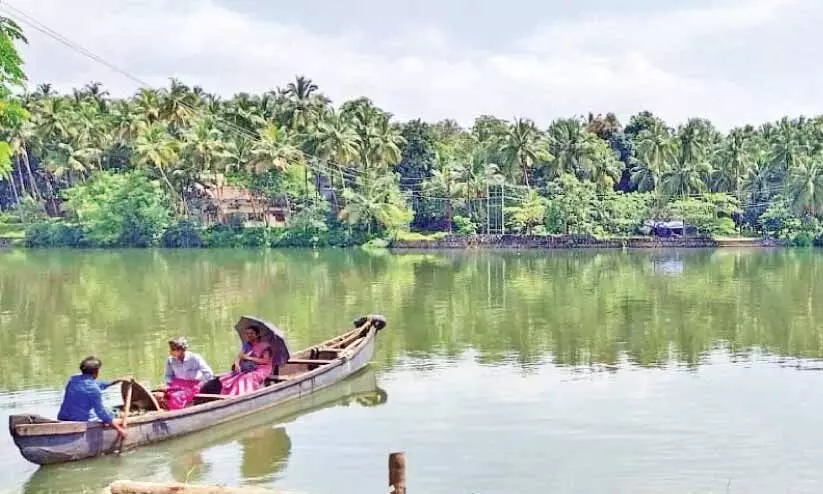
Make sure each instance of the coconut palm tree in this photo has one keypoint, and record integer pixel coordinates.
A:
(805, 188)
(155, 149)
(524, 146)
(274, 151)
(733, 159)
(376, 203)
(572, 146)
(19, 139)
(655, 153)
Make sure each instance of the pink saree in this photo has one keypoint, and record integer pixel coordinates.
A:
(180, 393)
(239, 383)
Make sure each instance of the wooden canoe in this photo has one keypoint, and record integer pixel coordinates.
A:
(45, 441)
(174, 460)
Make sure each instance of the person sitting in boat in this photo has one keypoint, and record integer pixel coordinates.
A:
(245, 362)
(186, 373)
(251, 367)
(83, 397)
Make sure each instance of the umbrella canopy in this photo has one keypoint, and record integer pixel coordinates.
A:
(270, 333)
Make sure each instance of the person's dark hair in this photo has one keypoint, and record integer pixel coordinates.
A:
(179, 343)
(90, 365)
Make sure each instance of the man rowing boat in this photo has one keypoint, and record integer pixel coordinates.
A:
(83, 397)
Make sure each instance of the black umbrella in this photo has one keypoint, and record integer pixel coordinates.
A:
(269, 333)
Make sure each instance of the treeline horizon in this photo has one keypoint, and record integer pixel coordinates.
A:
(352, 167)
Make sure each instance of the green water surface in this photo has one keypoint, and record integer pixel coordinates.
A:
(559, 371)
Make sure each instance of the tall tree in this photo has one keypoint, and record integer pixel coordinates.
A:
(524, 146)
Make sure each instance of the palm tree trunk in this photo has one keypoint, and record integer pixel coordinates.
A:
(32, 182)
(47, 179)
(10, 177)
(20, 176)
(343, 183)
(525, 173)
(179, 197)
(333, 189)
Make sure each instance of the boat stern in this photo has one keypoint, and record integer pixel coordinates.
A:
(44, 441)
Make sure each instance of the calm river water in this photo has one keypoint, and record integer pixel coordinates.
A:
(578, 371)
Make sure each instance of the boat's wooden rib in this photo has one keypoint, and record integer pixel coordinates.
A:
(45, 441)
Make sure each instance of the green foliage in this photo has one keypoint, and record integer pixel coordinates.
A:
(418, 156)
(229, 236)
(55, 234)
(376, 243)
(529, 214)
(379, 205)
(571, 207)
(465, 226)
(120, 209)
(12, 77)
(780, 221)
(5, 160)
(709, 215)
(182, 234)
(30, 211)
(417, 236)
(373, 177)
(311, 221)
(623, 214)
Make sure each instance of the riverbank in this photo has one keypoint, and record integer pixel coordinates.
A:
(572, 242)
(507, 241)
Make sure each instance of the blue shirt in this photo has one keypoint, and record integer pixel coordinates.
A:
(192, 367)
(83, 400)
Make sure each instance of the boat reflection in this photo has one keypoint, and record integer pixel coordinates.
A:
(263, 440)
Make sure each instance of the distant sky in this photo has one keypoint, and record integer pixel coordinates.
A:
(734, 62)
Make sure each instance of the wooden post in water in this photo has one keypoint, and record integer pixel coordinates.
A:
(397, 473)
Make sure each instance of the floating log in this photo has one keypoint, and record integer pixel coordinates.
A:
(397, 473)
(397, 484)
(131, 487)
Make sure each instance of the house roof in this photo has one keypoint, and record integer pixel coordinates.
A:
(228, 193)
(672, 225)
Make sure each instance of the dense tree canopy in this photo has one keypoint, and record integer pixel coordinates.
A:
(579, 175)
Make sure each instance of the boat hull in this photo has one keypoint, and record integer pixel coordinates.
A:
(60, 442)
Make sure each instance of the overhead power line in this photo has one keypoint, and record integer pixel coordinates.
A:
(347, 172)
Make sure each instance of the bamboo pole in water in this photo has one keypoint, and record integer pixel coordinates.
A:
(397, 473)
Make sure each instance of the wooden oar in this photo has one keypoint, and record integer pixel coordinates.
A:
(126, 409)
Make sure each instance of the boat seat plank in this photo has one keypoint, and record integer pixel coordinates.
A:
(51, 428)
(309, 361)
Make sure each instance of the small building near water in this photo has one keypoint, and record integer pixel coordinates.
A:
(242, 205)
(674, 228)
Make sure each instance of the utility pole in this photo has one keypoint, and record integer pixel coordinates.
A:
(502, 209)
(488, 211)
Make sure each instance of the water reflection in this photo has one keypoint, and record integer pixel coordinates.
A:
(578, 308)
(259, 444)
(669, 263)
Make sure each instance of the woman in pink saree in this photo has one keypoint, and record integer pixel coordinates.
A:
(251, 368)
